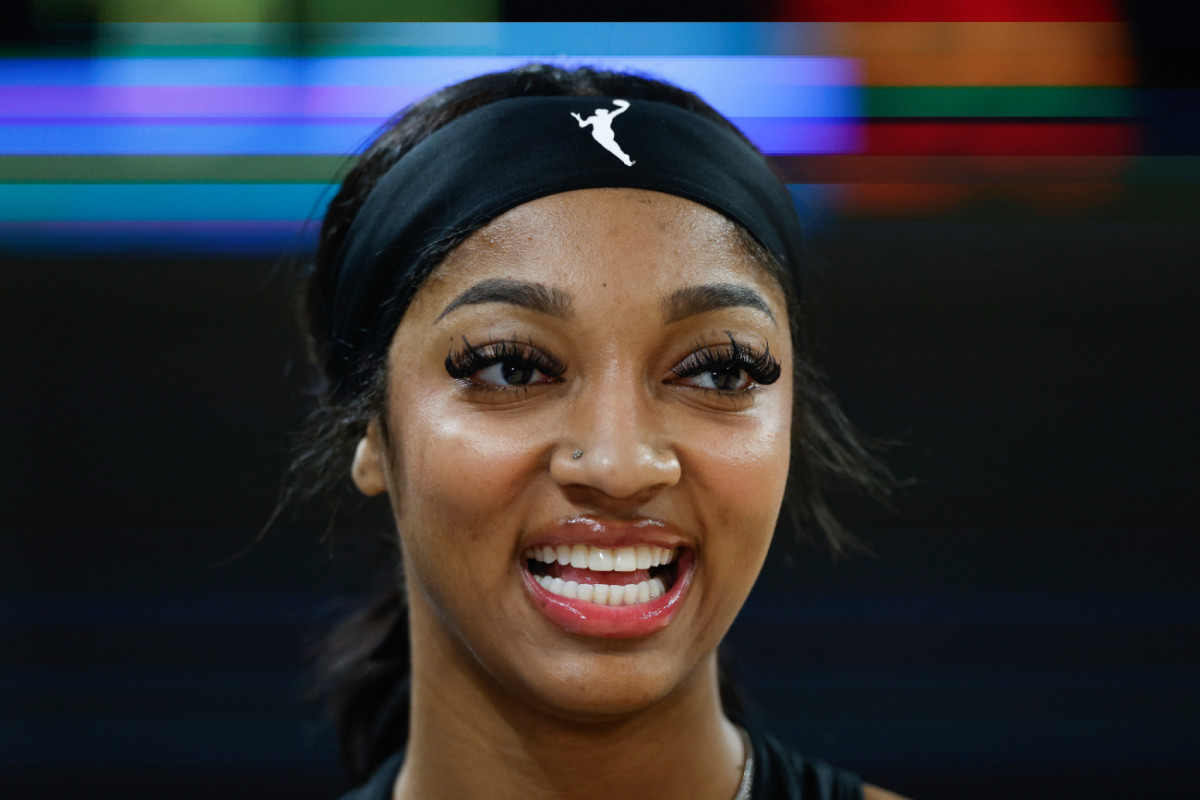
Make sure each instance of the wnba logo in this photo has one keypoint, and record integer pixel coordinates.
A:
(602, 131)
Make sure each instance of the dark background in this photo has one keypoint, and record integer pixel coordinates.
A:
(1028, 625)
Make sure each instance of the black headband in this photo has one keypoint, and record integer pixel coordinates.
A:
(511, 152)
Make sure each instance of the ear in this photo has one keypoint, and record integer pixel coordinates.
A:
(368, 471)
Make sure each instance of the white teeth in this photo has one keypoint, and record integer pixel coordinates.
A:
(643, 557)
(602, 594)
(600, 560)
(626, 560)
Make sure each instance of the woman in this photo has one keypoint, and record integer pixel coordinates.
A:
(578, 370)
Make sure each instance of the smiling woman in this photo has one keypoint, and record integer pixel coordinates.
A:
(577, 366)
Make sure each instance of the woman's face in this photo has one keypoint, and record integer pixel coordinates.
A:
(600, 379)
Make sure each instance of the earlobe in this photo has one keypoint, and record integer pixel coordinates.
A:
(367, 471)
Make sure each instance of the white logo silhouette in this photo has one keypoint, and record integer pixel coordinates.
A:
(602, 131)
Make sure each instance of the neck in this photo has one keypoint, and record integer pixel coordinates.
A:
(469, 737)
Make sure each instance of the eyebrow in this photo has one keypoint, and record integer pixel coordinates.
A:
(534, 296)
(692, 300)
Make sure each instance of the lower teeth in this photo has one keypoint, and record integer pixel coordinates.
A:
(603, 594)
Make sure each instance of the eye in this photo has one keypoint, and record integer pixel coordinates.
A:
(725, 379)
(731, 369)
(503, 365)
(510, 373)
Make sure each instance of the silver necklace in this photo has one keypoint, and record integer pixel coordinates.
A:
(743, 790)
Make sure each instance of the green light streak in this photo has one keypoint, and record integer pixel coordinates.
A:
(999, 101)
(171, 169)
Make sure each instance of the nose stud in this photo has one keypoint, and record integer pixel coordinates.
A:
(576, 454)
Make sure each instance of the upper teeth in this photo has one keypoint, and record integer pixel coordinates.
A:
(602, 559)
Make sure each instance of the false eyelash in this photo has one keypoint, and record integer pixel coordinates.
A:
(762, 367)
(465, 362)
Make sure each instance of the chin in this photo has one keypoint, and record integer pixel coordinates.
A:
(604, 688)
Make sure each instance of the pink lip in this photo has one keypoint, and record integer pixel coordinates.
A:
(612, 622)
(608, 533)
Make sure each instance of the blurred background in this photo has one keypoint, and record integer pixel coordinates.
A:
(1004, 196)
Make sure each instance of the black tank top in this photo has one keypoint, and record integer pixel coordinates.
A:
(779, 774)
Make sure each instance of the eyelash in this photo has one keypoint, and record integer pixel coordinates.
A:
(762, 367)
(463, 364)
(470, 359)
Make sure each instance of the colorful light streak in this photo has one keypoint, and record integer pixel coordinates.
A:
(216, 138)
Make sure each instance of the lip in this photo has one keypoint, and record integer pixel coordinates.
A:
(607, 533)
(611, 622)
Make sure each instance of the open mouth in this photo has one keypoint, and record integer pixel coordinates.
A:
(604, 576)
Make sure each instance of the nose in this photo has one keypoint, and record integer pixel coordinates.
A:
(615, 445)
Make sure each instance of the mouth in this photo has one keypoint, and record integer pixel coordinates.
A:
(609, 580)
(604, 576)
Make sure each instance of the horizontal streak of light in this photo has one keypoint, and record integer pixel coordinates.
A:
(958, 11)
(999, 101)
(171, 169)
(375, 103)
(216, 237)
(770, 134)
(1001, 138)
(703, 75)
(807, 169)
(1062, 40)
(468, 38)
(214, 138)
(1008, 69)
(39, 202)
(177, 237)
(972, 169)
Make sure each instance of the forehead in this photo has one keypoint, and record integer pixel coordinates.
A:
(634, 240)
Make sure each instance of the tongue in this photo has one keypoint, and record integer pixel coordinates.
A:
(580, 575)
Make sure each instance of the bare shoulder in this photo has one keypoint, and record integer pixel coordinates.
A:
(875, 793)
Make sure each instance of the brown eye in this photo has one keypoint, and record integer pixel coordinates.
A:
(511, 373)
(504, 365)
(728, 379)
(727, 368)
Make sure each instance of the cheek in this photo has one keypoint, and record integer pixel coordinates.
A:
(742, 469)
(459, 470)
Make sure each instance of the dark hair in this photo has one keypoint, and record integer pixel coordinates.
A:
(364, 662)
